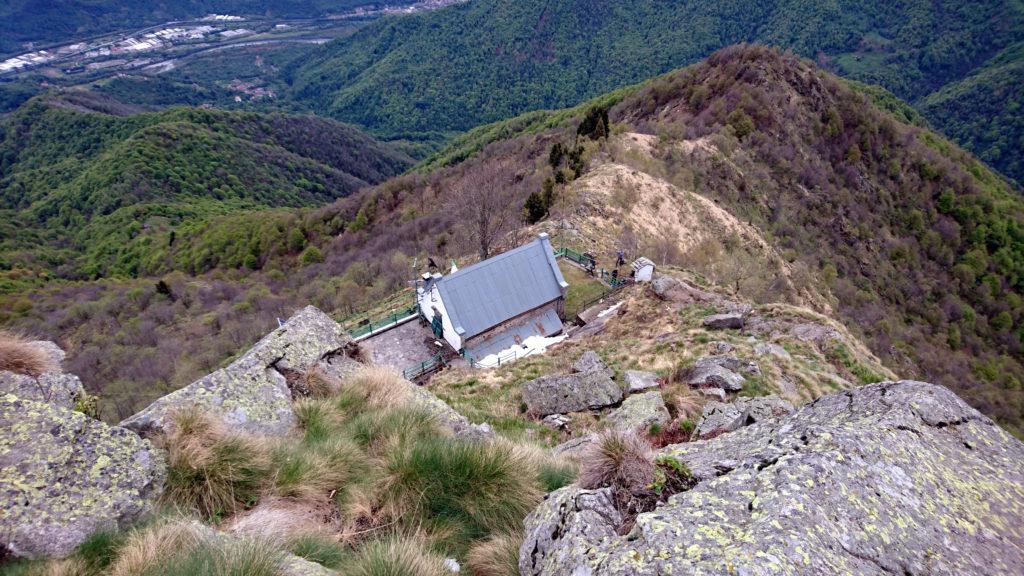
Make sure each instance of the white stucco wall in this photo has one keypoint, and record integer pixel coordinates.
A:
(427, 305)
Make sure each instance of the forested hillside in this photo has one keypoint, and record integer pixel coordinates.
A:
(44, 21)
(453, 69)
(913, 242)
(86, 184)
(985, 111)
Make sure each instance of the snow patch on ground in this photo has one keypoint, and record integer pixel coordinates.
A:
(611, 310)
(529, 347)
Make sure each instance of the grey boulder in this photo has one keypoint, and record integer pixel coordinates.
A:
(732, 363)
(574, 447)
(641, 412)
(570, 393)
(252, 393)
(709, 375)
(724, 322)
(589, 361)
(892, 478)
(64, 476)
(637, 381)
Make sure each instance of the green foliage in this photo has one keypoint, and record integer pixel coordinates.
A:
(985, 111)
(486, 60)
(742, 124)
(320, 549)
(469, 488)
(102, 193)
(228, 557)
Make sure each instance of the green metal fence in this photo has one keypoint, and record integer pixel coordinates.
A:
(390, 320)
(436, 362)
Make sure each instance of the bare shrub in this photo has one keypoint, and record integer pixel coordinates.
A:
(22, 356)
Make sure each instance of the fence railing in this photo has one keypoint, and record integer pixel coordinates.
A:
(436, 362)
(390, 320)
(503, 358)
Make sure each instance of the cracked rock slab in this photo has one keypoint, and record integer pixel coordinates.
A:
(721, 417)
(64, 476)
(898, 478)
(252, 394)
(570, 393)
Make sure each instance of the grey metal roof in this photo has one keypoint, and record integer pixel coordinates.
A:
(480, 296)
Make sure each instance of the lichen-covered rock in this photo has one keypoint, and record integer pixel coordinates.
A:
(591, 362)
(64, 475)
(55, 388)
(769, 349)
(570, 393)
(637, 381)
(892, 478)
(730, 321)
(559, 531)
(252, 393)
(711, 375)
(641, 412)
(719, 418)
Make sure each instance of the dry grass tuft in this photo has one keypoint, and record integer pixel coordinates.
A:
(382, 387)
(211, 469)
(396, 556)
(619, 458)
(318, 383)
(684, 402)
(148, 548)
(495, 556)
(21, 356)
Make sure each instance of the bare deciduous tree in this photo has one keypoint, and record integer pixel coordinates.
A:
(483, 202)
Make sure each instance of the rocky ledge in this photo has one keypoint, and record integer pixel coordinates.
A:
(892, 478)
(252, 393)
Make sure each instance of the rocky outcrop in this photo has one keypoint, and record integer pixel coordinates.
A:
(56, 388)
(252, 393)
(589, 361)
(64, 475)
(711, 375)
(641, 412)
(721, 417)
(730, 321)
(731, 363)
(637, 381)
(570, 393)
(892, 478)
